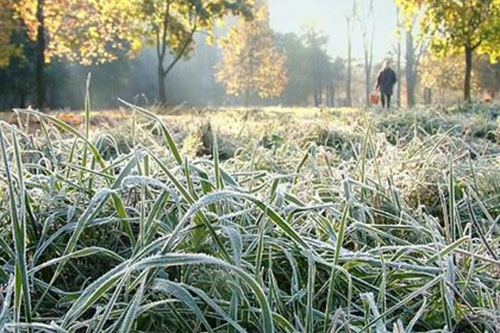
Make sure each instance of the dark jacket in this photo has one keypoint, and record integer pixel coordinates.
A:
(386, 80)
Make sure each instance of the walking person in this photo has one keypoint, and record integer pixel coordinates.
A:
(386, 79)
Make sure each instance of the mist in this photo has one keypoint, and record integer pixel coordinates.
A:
(316, 74)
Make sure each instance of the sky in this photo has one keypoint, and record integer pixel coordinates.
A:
(330, 17)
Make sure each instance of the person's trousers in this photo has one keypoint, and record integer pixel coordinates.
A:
(386, 100)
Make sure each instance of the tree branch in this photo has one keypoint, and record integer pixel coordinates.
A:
(475, 46)
(182, 51)
(166, 23)
(157, 34)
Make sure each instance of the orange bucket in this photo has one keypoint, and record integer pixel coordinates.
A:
(374, 98)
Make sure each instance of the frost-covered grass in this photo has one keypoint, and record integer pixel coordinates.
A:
(316, 221)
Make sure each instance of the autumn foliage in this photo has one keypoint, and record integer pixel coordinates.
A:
(86, 32)
(251, 64)
(466, 27)
(7, 26)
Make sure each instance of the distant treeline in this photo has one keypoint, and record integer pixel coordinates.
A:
(312, 78)
(141, 52)
(191, 82)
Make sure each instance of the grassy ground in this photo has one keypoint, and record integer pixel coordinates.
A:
(286, 220)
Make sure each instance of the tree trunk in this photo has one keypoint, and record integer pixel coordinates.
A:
(247, 97)
(348, 101)
(316, 97)
(22, 98)
(367, 26)
(41, 90)
(367, 82)
(468, 74)
(328, 98)
(162, 92)
(410, 87)
(320, 93)
(398, 96)
(333, 97)
(427, 96)
(162, 71)
(410, 70)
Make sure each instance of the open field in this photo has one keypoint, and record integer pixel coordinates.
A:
(285, 220)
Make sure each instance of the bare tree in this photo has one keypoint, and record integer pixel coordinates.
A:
(414, 51)
(398, 22)
(348, 89)
(365, 18)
